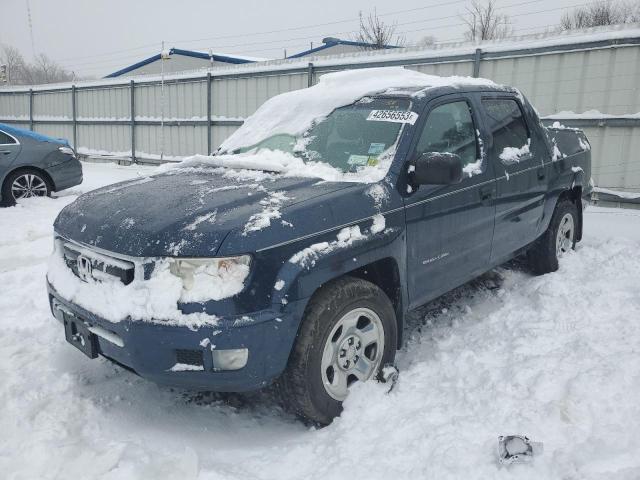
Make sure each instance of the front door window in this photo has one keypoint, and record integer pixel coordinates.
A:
(450, 129)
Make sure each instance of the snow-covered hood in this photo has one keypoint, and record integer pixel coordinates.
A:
(186, 212)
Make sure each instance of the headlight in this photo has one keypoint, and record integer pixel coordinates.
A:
(67, 151)
(210, 278)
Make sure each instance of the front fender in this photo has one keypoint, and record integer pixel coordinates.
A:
(337, 253)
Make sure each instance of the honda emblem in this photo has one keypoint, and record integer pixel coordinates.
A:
(84, 267)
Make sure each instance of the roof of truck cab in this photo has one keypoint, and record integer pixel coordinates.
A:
(428, 92)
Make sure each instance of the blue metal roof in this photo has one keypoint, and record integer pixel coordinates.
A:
(185, 53)
(332, 42)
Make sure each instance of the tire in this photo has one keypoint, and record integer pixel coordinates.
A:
(341, 324)
(559, 238)
(31, 182)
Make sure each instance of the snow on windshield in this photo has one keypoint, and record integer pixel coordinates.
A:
(273, 138)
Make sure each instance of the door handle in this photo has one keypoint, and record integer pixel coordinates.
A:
(541, 173)
(5, 152)
(486, 194)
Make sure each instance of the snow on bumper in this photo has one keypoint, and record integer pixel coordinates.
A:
(152, 350)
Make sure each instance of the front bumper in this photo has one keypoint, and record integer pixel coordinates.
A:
(66, 174)
(152, 349)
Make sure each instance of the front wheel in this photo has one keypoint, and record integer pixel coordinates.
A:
(348, 333)
(24, 184)
(560, 237)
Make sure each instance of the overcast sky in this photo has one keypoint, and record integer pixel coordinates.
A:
(96, 37)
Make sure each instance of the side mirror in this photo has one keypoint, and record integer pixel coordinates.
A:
(435, 168)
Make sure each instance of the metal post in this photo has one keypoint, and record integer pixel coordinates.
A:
(209, 113)
(476, 63)
(74, 116)
(31, 109)
(133, 121)
(162, 103)
(310, 75)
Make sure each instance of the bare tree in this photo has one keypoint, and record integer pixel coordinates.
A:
(634, 13)
(377, 33)
(15, 64)
(20, 72)
(426, 41)
(601, 13)
(48, 71)
(484, 22)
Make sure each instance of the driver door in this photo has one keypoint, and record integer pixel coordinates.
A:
(450, 227)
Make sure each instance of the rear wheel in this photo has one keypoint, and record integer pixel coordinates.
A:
(348, 333)
(25, 184)
(560, 237)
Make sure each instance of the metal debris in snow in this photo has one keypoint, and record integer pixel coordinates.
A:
(517, 449)
(389, 374)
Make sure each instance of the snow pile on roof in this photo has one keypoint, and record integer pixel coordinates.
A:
(295, 112)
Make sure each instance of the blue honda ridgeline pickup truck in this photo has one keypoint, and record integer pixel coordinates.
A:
(320, 270)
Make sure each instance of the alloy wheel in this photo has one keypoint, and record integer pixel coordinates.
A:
(28, 185)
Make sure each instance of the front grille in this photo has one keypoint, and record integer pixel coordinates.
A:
(190, 357)
(102, 267)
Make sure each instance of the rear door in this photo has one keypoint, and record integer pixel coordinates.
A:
(450, 227)
(518, 159)
(9, 150)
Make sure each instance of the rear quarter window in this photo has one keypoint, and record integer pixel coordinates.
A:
(508, 127)
(6, 139)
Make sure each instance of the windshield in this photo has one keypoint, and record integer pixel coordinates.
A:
(350, 138)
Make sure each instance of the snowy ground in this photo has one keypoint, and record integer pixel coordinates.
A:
(555, 357)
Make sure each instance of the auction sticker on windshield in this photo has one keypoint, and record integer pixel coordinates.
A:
(397, 116)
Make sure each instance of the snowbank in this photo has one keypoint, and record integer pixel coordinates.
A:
(588, 115)
(618, 193)
(554, 357)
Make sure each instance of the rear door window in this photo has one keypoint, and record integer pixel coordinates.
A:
(6, 139)
(511, 139)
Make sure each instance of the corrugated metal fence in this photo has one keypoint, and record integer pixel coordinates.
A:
(149, 120)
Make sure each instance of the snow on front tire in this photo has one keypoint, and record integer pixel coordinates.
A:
(348, 333)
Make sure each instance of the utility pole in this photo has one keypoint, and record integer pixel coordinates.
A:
(33, 43)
